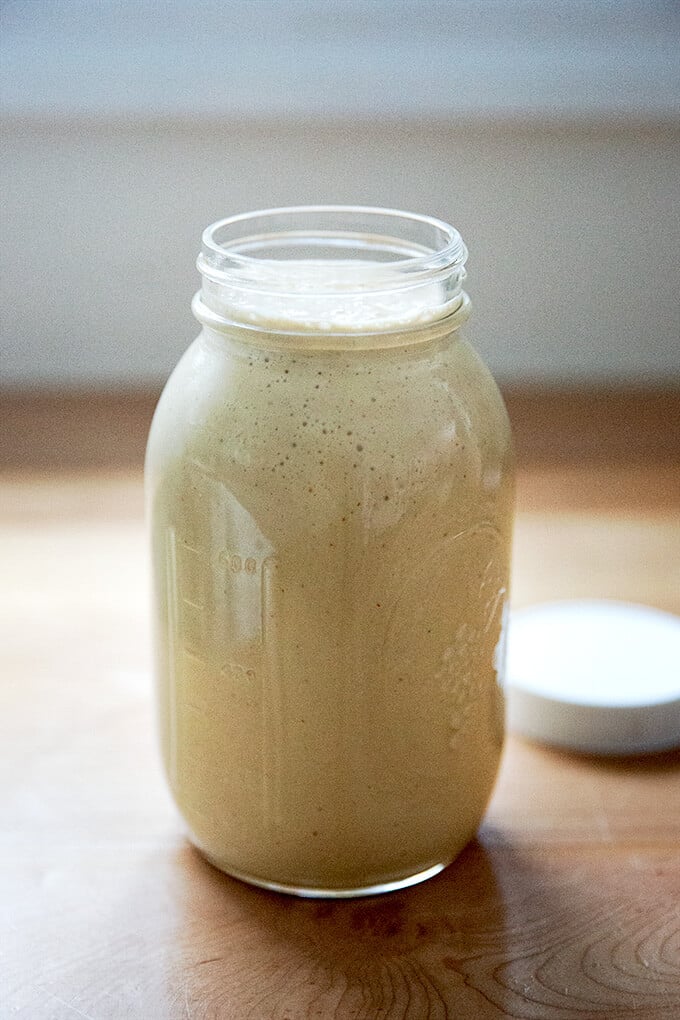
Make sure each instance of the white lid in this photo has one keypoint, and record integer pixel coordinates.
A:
(595, 676)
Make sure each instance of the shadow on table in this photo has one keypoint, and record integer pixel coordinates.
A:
(662, 761)
(461, 945)
(506, 930)
(404, 954)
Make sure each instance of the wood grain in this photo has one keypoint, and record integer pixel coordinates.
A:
(566, 907)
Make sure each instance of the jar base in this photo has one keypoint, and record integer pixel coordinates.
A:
(330, 894)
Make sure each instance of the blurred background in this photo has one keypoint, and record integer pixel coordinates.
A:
(548, 132)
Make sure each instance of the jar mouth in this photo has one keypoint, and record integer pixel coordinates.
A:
(334, 268)
(262, 242)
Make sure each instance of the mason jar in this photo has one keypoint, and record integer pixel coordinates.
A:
(330, 490)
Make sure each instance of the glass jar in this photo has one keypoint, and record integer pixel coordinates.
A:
(329, 479)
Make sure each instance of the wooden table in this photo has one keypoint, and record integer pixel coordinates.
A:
(566, 906)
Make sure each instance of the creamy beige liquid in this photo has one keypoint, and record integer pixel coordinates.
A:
(331, 544)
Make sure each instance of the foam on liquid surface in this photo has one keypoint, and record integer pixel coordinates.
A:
(329, 297)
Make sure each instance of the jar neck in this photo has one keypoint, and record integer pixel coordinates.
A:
(332, 277)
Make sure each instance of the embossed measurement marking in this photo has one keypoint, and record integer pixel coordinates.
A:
(189, 548)
(237, 671)
(237, 563)
(192, 653)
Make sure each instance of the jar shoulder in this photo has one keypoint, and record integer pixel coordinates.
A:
(421, 396)
(403, 444)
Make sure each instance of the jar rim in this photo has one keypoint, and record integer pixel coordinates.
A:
(412, 246)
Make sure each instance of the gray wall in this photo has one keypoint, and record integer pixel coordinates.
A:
(574, 235)
(547, 131)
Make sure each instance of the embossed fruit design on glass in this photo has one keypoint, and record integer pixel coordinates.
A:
(329, 482)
